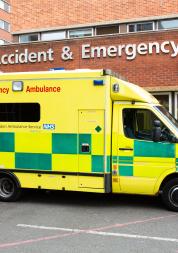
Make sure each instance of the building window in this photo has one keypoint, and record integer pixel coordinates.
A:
(101, 30)
(58, 35)
(28, 37)
(140, 27)
(4, 25)
(168, 24)
(164, 99)
(19, 112)
(123, 28)
(4, 6)
(80, 33)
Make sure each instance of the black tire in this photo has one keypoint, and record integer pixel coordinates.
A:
(9, 190)
(170, 195)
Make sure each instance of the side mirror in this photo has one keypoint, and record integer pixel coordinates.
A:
(157, 131)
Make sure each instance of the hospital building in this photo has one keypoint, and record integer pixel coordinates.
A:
(137, 39)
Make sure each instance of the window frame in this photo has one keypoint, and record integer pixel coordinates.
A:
(3, 28)
(176, 104)
(140, 23)
(151, 111)
(105, 34)
(170, 99)
(136, 122)
(80, 29)
(162, 20)
(5, 4)
(28, 34)
(58, 31)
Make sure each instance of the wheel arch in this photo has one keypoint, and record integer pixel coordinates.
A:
(167, 179)
(11, 175)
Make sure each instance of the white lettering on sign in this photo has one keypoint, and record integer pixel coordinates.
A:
(175, 49)
(26, 57)
(130, 50)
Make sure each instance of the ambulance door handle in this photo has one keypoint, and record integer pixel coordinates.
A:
(85, 148)
(122, 149)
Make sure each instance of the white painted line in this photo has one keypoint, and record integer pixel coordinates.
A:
(49, 228)
(93, 232)
(134, 236)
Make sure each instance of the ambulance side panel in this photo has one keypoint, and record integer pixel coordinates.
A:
(69, 147)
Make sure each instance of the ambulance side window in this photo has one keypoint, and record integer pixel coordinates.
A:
(19, 112)
(139, 124)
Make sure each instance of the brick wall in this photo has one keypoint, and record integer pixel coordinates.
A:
(54, 13)
(146, 70)
(5, 35)
(6, 17)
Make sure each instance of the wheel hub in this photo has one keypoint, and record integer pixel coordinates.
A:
(6, 187)
(174, 196)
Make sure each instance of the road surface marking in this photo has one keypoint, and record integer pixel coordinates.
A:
(94, 231)
(30, 241)
(50, 228)
(101, 233)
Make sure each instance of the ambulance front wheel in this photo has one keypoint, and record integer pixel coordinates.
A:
(170, 195)
(9, 190)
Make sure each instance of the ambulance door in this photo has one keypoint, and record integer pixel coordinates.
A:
(140, 160)
(91, 149)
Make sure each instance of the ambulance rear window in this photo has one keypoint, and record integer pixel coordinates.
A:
(19, 112)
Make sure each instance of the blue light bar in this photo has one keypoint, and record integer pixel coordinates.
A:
(53, 69)
(98, 82)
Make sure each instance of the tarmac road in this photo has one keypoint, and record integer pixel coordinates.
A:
(67, 222)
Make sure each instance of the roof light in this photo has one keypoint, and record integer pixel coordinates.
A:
(17, 86)
(98, 82)
(54, 69)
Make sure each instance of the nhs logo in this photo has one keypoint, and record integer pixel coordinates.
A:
(49, 126)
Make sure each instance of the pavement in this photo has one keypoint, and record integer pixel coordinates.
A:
(71, 222)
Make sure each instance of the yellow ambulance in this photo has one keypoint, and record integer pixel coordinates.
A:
(85, 130)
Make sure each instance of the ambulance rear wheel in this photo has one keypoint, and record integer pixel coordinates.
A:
(9, 190)
(170, 195)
